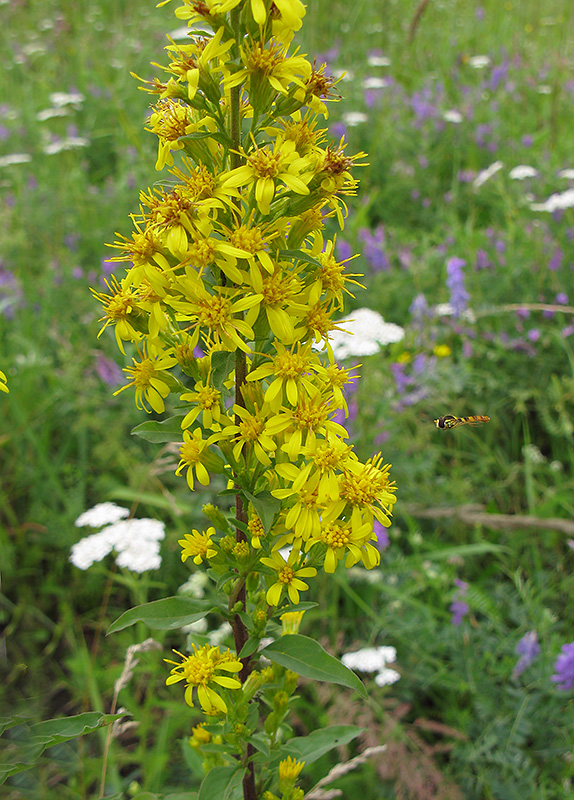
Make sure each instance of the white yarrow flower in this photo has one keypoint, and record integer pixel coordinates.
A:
(478, 62)
(452, 115)
(375, 83)
(136, 542)
(378, 61)
(522, 171)
(74, 99)
(102, 514)
(354, 118)
(566, 173)
(65, 144)
(370, 659)
(386, 677)
(15, 158)
(486, 174)
(365, 332)
(556, 202)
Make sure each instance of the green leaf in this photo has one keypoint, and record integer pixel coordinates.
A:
(306, 657)
(54, 731)
(310, 748)
(223, 783)
(266, 507)
(300, 256)
(169, 430)
(222, 363)
(249, 648)
(163, 615)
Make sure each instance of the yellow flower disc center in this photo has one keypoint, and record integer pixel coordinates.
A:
(286, 574)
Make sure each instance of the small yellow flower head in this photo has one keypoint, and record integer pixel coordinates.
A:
(191, 453)
(150, 378)
(198, 545)
(442, 350)
(241, 551)
(288, 576)
(199, 735)
(200, 671)
(121, 310)
(257, 531)
(289, 770)
(291, 621)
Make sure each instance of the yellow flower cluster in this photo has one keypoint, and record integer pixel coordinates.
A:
(228, 256)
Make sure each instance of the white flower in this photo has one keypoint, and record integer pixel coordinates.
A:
(370, 659)
(478, 62)
(386, 677)
(556, 202)
(50, 113)
(367, 575)
(102, 514)
(375, 83)
(195, 585)
(378, 61)
(486, 174)
(452, 115)
(220, 635)
(74, 99)
(353, 118)
(544, 89)
(365, 332)
(65, 144)
(15, 158)
(136, 542)
(533, 454)
(566, 173)
(446, 310)
(522, 171)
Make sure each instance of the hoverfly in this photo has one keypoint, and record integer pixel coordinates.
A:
(448, 421)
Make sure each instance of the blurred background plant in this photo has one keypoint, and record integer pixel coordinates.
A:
(465, 225)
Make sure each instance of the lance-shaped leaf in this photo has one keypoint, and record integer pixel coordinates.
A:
(306, 657)
(266, 507)
(310, 748)
(163, 615)
(223, 783)
(169, 430)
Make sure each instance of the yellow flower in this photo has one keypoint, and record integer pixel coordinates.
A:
(192, 452)
(121, 311)
(265, 167)
(199, 671)
(198, 545)
(289, 770)
(293, 374)
(269, 64)
(3, 383)
(250, 431)
(367, 486)
(291, 622)
(207, 402)
(288, 576)
(150, 378)
(442, 350)
(256, 530)
(342, 539)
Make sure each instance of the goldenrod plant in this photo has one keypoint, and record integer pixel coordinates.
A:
(227, 302)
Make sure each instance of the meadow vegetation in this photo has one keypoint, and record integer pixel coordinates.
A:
(464, 226)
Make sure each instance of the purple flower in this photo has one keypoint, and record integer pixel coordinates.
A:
(533, 335)
(459, 608)
(419, 309)
(482, 260)
(564, 668)
(108, 370)
(459, 297)
(373, 249)
(561, 298)
(556, 259)
(402, 380)
(382, 535)
(527, 648)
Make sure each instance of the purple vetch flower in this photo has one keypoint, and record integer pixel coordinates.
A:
(533, 335)
(419, 309)
(338, 130)
(344, 250)
(383, 540)
(373, 248)
(482, 260)
(459, 608)
(556, 259)
(561, 298)
(564, 668)
(108, 370)
(402, 380)
(459, 297)
(527, 648)
(498, 75)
